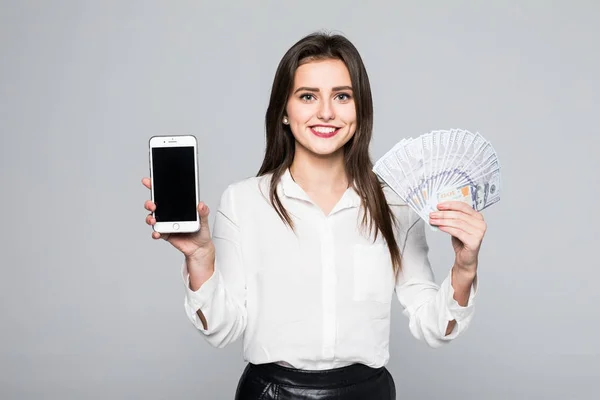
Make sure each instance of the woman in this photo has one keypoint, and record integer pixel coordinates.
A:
(306, 256)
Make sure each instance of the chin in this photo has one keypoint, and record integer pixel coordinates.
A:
(326, 150)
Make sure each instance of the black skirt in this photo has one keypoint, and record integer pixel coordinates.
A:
(276, 382)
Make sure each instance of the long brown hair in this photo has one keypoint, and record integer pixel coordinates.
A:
(280, 149)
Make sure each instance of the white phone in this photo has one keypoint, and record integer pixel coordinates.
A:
(174, 177)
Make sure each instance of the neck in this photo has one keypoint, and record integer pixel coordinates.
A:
(319, 173)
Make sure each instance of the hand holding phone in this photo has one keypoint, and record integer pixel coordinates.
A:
(176, 214)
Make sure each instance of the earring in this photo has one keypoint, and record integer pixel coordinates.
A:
(285, 120)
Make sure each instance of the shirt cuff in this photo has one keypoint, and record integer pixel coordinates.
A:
(458, 312)
(201, 298)
(462, 314)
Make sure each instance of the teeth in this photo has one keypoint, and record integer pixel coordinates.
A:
(322, 129)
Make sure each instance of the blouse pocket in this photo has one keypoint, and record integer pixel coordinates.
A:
(373, 274)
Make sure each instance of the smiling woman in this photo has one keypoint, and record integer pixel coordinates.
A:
(321, 91)
(305, 257)
(316, 110)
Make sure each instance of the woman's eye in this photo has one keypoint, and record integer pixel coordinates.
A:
(343, 96)
(307, 97)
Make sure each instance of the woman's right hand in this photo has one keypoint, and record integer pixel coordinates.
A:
(192, 245)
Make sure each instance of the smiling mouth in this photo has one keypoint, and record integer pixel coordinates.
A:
(324, 131)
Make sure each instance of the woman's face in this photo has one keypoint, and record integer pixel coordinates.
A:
(321, 110)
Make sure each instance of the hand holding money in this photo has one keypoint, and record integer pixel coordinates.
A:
(441, 166)
(467, 228)
(447, 177)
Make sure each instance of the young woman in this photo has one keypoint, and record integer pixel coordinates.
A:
(304, 258)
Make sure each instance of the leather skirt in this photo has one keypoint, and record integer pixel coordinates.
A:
(276, 382)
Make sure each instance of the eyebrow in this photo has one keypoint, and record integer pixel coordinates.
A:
(335, 89)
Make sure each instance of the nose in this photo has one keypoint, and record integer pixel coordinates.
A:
(326, 111)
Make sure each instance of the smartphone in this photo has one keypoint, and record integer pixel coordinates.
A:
(174, 177)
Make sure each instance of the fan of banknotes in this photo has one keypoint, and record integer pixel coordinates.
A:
(440, 166)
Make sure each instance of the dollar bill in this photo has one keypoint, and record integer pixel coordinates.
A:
(463, 193)
(442, 165)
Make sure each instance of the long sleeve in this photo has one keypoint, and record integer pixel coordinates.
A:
(222, 297)
(429, 306)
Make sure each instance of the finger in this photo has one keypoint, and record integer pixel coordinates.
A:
(150, 206)
(146, 182)
(454, 223)
(203, 212)
(470, 219)
(150, 220)
(461, 235)
(459, 206)
(156, 235)
(447, 214)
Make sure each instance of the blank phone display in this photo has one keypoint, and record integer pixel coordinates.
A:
(174, 183)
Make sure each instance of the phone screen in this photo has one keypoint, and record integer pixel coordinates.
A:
(174, 183)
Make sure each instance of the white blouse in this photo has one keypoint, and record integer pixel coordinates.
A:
(321, 297)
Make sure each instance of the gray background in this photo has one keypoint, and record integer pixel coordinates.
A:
(92, 307)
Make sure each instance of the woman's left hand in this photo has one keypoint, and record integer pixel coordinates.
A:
(467, 228)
